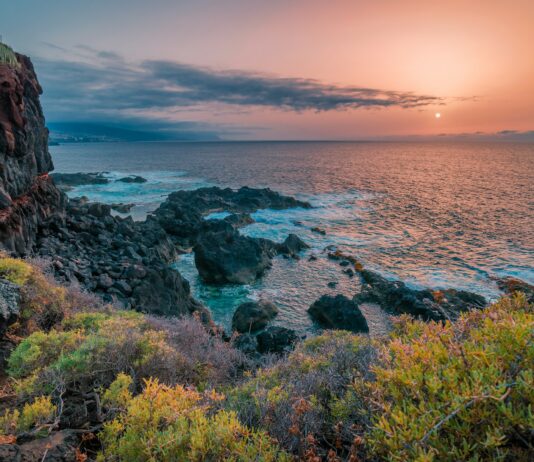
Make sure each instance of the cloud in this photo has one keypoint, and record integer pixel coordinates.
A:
(101, 85)
(188, 84)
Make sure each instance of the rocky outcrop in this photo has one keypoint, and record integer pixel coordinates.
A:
(67, 181)
(338, 312)
(182, 214)
(133, 179)
(253, 316)
(429, 305)
(228, 257)
(9, 304)
(29, 201)
(292, 246)
(125, 262)
(276, 339)
(225, 256)
(510, 285)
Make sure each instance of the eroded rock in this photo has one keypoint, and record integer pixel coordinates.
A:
(9, 304)
(338, 312)
(276, 339)
(253, 316)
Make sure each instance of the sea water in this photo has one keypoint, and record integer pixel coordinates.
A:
(431, 214)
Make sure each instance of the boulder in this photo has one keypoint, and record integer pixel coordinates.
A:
(99, 210)
(228, 257)
(276, 339)
(318, 230)
(133, 179)
(164, 292)
(9, 304)
(292, 246)
(247, 343)
(338, 312)
(122, 208)
(509, 285)
(68, 180)
(253, 316)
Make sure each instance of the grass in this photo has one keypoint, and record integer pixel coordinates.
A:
(7, 56)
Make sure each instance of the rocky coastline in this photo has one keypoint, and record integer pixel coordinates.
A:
(127, 263)
(89, 353)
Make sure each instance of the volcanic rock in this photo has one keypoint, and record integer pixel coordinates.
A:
(276, 339)
(338, 312)
(58, 447)
(67, 181)
(133, 179)
(29, 201)
(253, 316)
(509, 285)
(292, 246)
(228, 257)
(397, 298)
(9, 304)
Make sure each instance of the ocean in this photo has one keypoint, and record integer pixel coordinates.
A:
(434, 215)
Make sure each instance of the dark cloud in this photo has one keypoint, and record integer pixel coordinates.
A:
(105, 86)
(189, 84)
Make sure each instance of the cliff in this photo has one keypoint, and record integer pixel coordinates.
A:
(29, 201)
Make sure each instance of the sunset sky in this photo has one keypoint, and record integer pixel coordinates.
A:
(248, 69)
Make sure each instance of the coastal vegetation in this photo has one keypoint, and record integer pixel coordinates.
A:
(7, 55)
(136, 387)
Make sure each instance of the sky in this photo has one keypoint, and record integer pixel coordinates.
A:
(292, 69)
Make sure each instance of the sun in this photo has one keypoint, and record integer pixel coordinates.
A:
(438, 115)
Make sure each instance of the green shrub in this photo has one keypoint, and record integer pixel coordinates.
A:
(94, 321)
(38, 352)
(40, 412)
(7, 56)
(296, 399)
(93, 347)
(118, 395)
(173, 424)
(112, 344)
(462, 391)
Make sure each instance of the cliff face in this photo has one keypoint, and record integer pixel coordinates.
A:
(29, 201)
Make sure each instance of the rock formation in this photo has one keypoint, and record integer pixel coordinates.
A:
(29, 201)
(338, 312)
(253, 316)
(429, 305)
(9, 304)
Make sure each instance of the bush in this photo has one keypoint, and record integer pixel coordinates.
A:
(15, 270)
(88, 350)
(173, 423)
(7, 56)
(208, 360)
(43, 303)
(36, 414)
(462, 391)
(90, 355)
(297, 399)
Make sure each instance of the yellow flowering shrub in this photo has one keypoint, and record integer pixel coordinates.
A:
(174, 423)
(15, 270)
(41, 411)
(461, 391)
